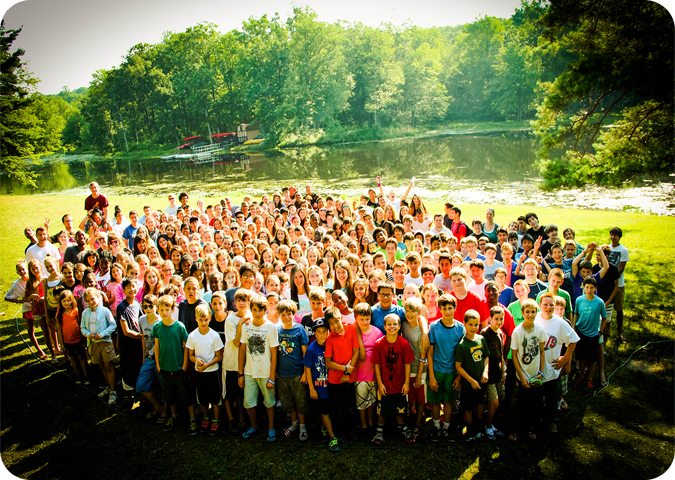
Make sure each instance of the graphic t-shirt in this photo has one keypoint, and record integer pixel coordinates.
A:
(289, 360)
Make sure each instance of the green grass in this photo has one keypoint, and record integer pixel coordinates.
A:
(53, 429)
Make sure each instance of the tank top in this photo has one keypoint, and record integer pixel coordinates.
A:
(52, 300)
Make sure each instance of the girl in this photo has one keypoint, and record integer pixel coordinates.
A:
(315, 276)
(90, 260)
(430, 296)
(152, 284)
(17, 294)
(360, 288)
(51, 291)
(142, 263)
(63, 241)
(300, 291)
(223, 261)
(67, 316)
(374, 280)
(114, 285)
(35, 295)
(344, 279)
(232, 278)
(164, 246)
(490, 227)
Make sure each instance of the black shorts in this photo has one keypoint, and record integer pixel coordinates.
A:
(588, 348)
(320, 406)
(75, 350)
(209, 388)
(233, 391)
(392, 405)
(175, 387)
(470, 398)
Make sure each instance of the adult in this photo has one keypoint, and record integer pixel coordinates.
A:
(172, 209)
(75, 253)
(67, 221)
(490, 227)
(96, 200)
(41, 249)
(618, 257)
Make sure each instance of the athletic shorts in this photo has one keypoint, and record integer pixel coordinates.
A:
(470, 398)
(293, 394)
(392, 405)
(146, 376)
(320, 406)
(75, 350)
(366, 394)
(232, 389)
(175, 386)
(416, 395)
(101, 352)
(446, 392)
(209, 390)
(252, 386)
(588, 348)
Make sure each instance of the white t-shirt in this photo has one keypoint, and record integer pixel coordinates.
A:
(559, 333)
(205, 347)
(40, 253)
(617, 255)
(231, 352)
(526, 343)
(17, 291)
(259, 341)
(415, 281)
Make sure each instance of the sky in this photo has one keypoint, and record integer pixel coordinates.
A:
(66, 41)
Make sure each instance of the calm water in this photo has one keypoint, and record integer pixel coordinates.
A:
(464, 169)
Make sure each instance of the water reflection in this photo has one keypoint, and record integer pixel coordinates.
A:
(476, 169)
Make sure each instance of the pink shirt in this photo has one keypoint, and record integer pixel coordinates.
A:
(365, 371)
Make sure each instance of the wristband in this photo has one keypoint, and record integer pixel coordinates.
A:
(539, 372)
(270, 381)
(423, 360)
(241, 375)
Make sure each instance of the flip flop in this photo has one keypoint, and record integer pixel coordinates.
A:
(249, 433)
(271, 435)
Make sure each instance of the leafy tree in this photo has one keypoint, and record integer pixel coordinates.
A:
(17, 122)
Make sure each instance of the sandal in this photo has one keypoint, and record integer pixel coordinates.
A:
(43, 357)
(271, 435)
(249, 433)
(288, 432)
(303, 437)
(531, 435)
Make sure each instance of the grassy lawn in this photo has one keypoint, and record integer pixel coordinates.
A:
(52, 428)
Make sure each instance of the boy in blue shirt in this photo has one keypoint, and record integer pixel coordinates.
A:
(590, 318)
(444, 335)
(292, 381)
(386, 305)
(316, 373)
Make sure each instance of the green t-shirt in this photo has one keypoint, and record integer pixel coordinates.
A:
(171, 340)
(561, 293)
(472, 355)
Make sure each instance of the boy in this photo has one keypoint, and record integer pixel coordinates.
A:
(258, 366)
(148, 373)
(342, 352)
(619, 258)
(398, 271)
(131, 340)
(416, 331)
(292, 382)
(413, 261)
(496, 342)
(527, 345)
(392, 357)
(477, 283)
(186, 309)
(559, 333)
(205, 350)
(97, 326)
(233, 324)
(491, 264)
(317, 375)
(171, 359)
(556, 278)
(366, 392)
(465, 299)
(471, 361)
(444, 335)
(317, 298)
(386, 305)
(590, 318)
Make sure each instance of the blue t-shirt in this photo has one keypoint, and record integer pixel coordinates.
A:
(290, 350)
(378, 314)
(589, 315)
(445, 340)
(128, 234)
(315, 360)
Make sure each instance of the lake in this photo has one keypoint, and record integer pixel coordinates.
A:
(489, 169)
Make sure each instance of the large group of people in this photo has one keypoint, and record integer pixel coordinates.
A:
(361, 316)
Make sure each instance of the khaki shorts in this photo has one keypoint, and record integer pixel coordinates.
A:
(101, 351)
(495, 391)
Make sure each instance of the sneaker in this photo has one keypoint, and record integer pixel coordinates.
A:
(194, 430)
(104, 392)
(333, 445)
(205, 424)
(161, 420)
(170, 424)
(436, 434)
(408, 437)
(416, 432)
(78, 382)
(490, 433)
(112, 398)
(87, 382)
(498, 432)
(478, 436)
(378, 440)
(215, 426)
(443, 433)
(553, 428)
(303, 436)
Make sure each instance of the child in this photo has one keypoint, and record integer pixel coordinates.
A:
(527, 345)
(186, 309)
(51, 290)
(148, 373)
(272, 302)
(17, 294)
(472, 361)
(590, 318)
(67, 317)
(171, 360)
(317, 299)
(317, 375)
(97, 325)
(292, 380)
(205, 349)
(234, 395)
(131, 339)
(415, 329)
(444, 335)
(496, 341)
(365, 389)
(258, 366)
(342, 352)
(392, 357)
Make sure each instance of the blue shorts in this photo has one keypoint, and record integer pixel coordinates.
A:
(146, 376)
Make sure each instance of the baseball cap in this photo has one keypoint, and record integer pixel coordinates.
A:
(319, 323)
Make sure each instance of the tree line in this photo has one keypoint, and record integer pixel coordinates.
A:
(594, 76)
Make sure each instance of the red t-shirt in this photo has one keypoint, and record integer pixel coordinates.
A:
(99, 202)
(392, 358)
(340, 348)
(71, 327)
(471, 302)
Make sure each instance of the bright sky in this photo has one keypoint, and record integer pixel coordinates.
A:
(67, 40)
